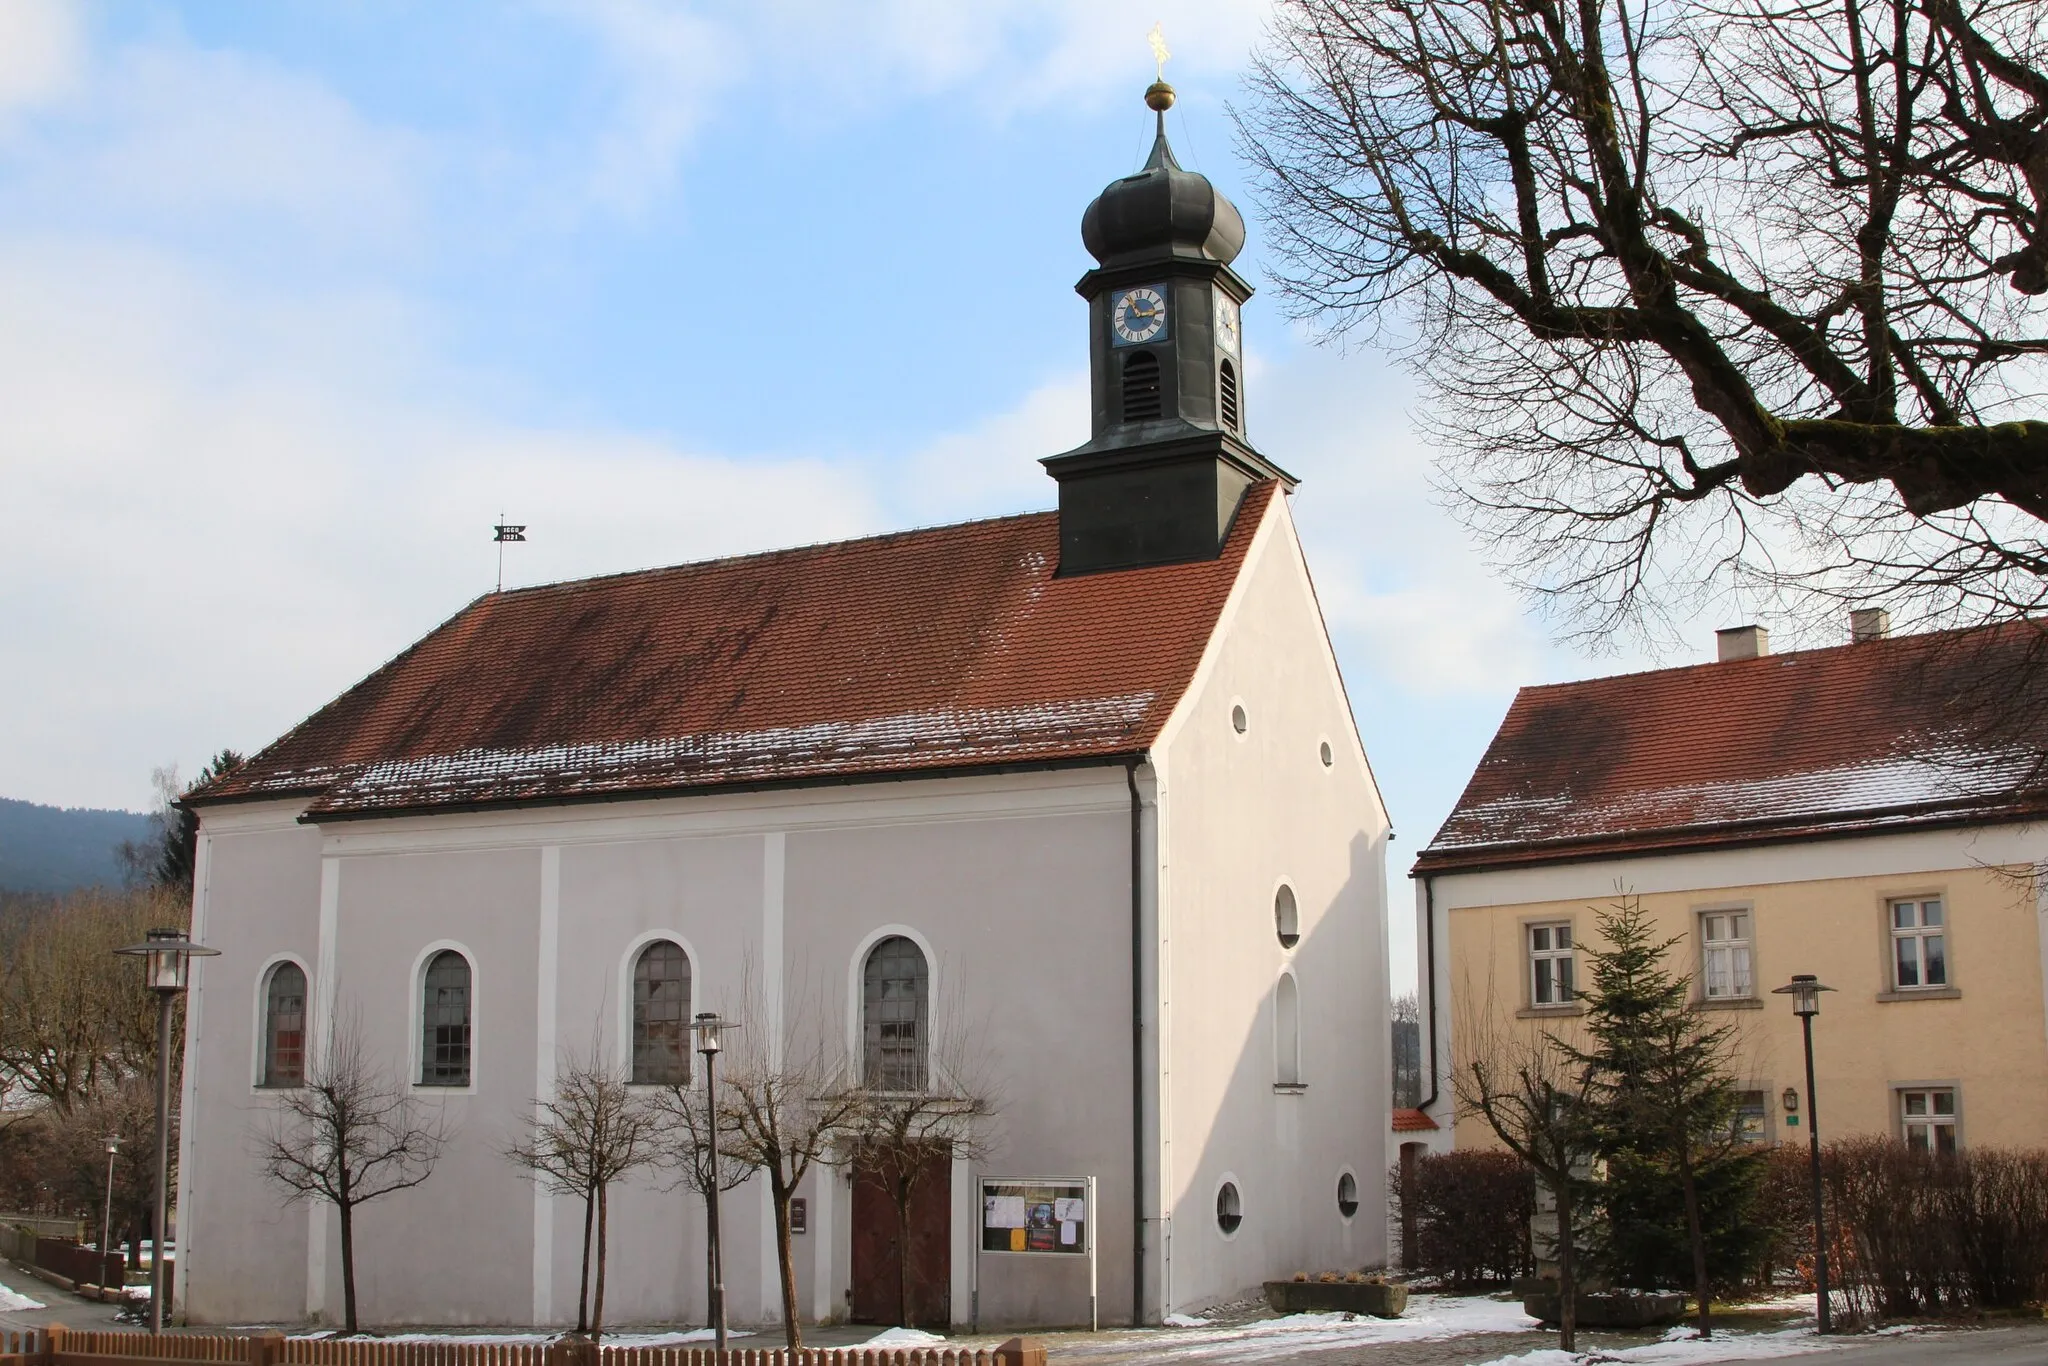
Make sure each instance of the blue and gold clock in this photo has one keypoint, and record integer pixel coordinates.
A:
(1138, 315)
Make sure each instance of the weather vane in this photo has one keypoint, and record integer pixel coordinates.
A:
(1160, 54)
(502, 532)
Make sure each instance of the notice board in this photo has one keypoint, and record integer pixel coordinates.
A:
(1035, 1215)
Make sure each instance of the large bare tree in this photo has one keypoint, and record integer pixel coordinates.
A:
(590, 1135)
(349, 1134)
(75, 1019)
(1707, 295)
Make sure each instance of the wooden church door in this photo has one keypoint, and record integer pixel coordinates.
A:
(928, 1287)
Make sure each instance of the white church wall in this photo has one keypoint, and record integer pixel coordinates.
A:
(1018, 885)
(242, 1250)
(1247, 811)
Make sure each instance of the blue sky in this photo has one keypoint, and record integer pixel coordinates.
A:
(294, 297)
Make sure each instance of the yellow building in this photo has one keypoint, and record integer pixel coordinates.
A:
(1863, 813)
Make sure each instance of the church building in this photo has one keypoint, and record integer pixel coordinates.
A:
(1084, 781)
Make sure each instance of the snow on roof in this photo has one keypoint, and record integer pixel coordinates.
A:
(1879, 735)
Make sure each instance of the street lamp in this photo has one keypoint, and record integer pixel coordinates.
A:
(167, 969)
(113, 1142)
(1805, 990)
(708, 1028)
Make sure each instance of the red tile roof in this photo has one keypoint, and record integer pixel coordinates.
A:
(1408, 1121)
(1940, 728)
(944, 649)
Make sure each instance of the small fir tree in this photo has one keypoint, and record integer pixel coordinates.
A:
(1663, 1104)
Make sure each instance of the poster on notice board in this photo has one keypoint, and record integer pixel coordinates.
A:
(1042, 1216)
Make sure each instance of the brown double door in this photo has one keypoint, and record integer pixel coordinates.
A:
(881, 1274)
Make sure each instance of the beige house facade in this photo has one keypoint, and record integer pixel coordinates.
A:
(1775, 815)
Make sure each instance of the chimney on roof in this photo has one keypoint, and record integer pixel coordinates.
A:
(1869, 623)
(1742, 642)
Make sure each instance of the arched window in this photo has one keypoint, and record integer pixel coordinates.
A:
(661, 1015)
(1347, 1195)
(895, 987)
(1286, 917)
(1229, 1208)
(1287, 1031)
(444, 1017)
(1143, 400)
(1226, 389)
(284, 1026)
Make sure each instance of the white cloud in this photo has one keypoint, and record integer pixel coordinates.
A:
(224, 508)
(41, 48)
(992, 466)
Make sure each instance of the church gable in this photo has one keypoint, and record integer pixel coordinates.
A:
(946, 649)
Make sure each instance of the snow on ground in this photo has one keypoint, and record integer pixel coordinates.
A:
(1184, 1321)
(1681, 1346)
(903, 1337)
(1429, 1318)
(10, 1302)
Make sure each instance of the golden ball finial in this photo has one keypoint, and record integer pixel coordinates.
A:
(1159, 97)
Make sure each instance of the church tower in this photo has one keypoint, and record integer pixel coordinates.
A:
(1167, 461)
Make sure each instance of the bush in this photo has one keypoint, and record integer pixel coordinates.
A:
(1471, 1215)
(1926, 1234)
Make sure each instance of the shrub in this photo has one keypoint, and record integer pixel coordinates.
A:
(1928, 1234)
(1471, 1216)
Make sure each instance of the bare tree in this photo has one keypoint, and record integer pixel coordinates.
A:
(75, 1019)
(915, 1116)
(351, 1133)
(1532, 1094)
(590, 1136)
(792, 1105)
(1709, 295)
(687, 1120)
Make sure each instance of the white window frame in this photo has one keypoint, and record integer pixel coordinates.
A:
(1917, 933)
(624, 1034)
(1930, 1118)
(416, 1013)
(1737, 952)
(262, 1026)
(1568, 955)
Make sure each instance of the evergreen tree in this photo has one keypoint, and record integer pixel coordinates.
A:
(167, 857)
(1663, 1104)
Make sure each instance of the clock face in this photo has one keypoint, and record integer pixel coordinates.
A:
(1226, 324)
(1138, 315)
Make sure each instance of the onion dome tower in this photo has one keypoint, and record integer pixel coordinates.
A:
(1161, 476)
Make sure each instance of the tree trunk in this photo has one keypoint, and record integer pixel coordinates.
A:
(603, 1213)
(1695, 1230)
(785, 1263)
(348, 1264)
(905, 1188)
(1567, 1270)
(583, 1271)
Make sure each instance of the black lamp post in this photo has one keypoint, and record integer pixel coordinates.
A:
(708, 1028)
(113, 1142)
(167, 967)
(1805, 990)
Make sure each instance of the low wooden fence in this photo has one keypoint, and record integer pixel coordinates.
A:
(58, 1346)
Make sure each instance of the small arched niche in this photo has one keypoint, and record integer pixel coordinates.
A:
(1286, 917)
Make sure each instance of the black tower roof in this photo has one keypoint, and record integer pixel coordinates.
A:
(1162, 211)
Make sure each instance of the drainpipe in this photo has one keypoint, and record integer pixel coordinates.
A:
(1429, 983)
(1137, 1049)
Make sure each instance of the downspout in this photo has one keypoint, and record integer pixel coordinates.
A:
(1429, 993)
(1137, 1049)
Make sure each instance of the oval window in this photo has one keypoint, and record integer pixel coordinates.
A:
(1238, 720)
(1229, 1212)
(1286, 917)
(1329, 755)
(1347, 1195)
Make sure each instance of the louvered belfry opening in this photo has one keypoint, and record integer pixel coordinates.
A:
(1142, 399)
(1226, 388)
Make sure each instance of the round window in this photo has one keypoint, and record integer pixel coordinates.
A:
(1229, 1212)
(1329, 755)
(1286, 917)
(1347, 1195)
(1238, 720)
